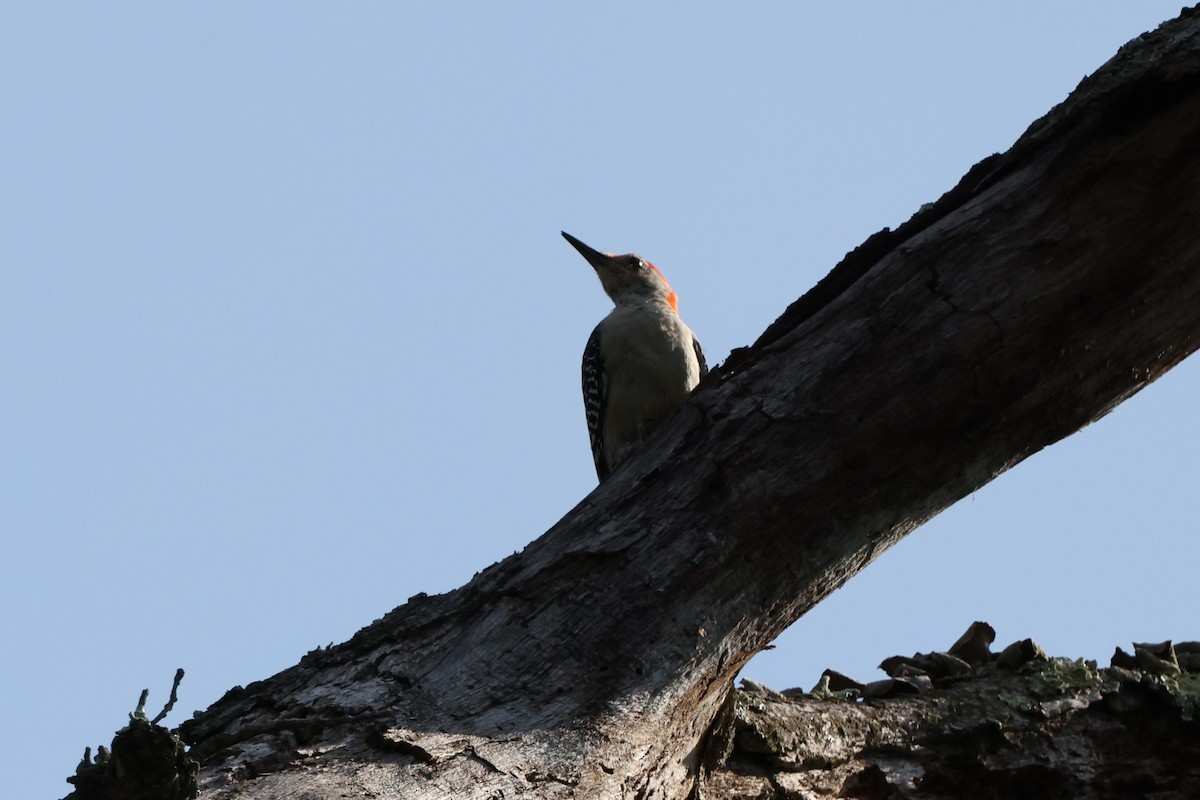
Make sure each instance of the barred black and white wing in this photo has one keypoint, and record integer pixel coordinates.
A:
(595, 393)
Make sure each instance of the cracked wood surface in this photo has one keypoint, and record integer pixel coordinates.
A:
(1054, 282)
(1051, 728)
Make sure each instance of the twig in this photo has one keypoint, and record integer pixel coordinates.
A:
(171, 702)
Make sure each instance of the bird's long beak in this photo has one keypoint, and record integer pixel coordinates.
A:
(594, 257)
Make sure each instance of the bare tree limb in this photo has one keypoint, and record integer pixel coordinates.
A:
(1017, 725)
(1052, 283)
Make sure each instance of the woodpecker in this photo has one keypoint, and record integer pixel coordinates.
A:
(641, 362)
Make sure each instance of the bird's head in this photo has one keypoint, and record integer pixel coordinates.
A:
(626, 277)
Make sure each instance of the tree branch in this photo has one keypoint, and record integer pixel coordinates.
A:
(1052, 283)
(1028, 726)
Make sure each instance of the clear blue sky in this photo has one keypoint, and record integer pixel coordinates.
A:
(288, 333)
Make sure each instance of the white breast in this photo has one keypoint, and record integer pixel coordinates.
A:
(651, 367)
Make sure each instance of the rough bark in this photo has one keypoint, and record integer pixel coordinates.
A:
(1026, 726)
(1052, 283)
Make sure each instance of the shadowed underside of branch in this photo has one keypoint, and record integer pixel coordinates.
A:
(1054, 282)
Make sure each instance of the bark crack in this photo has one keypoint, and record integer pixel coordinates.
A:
(935, 287)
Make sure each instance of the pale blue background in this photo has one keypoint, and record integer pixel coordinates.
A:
(288, 333)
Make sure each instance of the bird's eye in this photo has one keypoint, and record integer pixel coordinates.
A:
(639, 263)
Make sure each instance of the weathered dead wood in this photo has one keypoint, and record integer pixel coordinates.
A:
(1039, 728)
(1054, 282)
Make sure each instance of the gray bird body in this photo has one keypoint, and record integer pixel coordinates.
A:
(641, 362)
